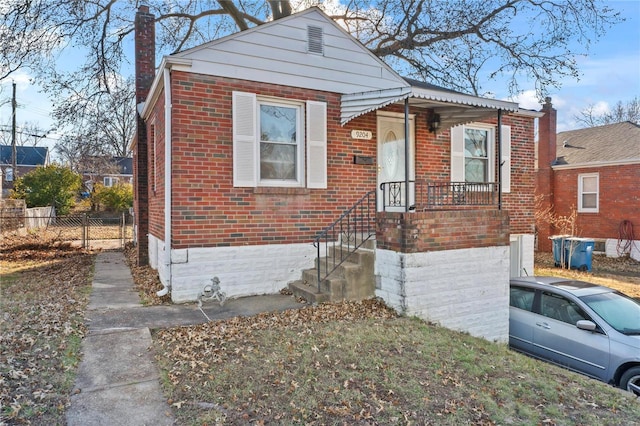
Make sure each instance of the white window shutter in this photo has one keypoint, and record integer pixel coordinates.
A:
(457, 154)
(245, 143)
(505, 158)
(316, 144)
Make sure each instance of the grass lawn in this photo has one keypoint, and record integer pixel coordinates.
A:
(358, 363)
(44, 288)
(348, 363)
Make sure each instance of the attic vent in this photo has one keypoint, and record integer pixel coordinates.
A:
(314, 39)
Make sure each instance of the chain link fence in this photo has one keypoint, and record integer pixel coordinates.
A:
(84, 230)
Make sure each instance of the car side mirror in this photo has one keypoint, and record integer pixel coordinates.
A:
(586, 325)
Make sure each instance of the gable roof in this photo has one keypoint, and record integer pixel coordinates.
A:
(125, 165)
(25, 155)
(281, 52)
(612, 143)
(108, 166)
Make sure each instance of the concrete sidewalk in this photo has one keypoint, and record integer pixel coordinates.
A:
(118, 382)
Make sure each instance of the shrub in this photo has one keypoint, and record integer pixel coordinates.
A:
(52, 185)
(118, 197)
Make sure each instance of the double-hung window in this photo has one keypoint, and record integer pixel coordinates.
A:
(473, 154)
(588, 193)
(272, 137)
(280, 143)
(476, 154)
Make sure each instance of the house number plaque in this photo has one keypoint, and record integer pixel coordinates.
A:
(361, 134)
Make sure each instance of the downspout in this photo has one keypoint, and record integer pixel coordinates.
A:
(500, 161)
(167, 180)
(407, 134)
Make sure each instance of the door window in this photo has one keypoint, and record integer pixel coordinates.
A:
(561, 309)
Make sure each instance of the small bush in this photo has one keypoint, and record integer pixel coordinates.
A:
(116, 198)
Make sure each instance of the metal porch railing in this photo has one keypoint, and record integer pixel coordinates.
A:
(346, 235)
(434, 195)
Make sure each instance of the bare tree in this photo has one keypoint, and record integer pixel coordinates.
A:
(102, 119)
(593, 116)
(27, 134)
(453, 43)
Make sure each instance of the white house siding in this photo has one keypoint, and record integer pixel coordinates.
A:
(242, 271)
(465, 290)
(277, 52)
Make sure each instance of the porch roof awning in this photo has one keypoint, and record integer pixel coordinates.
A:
(453, 107)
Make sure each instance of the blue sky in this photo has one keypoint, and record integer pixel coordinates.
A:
(610, 73)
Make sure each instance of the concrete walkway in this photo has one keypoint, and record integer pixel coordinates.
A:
(118, 382)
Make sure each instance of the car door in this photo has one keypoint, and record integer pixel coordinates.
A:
(557, 338)
(522, 319)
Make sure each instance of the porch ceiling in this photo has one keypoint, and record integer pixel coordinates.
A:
(453, 107)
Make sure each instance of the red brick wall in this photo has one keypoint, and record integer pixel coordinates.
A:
(442, 230)
(156, 147)
(619, 199)
(209, 211)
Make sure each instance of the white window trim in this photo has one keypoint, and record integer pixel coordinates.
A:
(246, 144)
(458, 156)
(458, 135)
(582, 209)
(300, 140)
(111, 179)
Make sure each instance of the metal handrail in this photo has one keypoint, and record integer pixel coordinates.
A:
(429, 195)
(348, 232)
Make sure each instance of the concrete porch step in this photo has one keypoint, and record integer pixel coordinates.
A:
(301, 288)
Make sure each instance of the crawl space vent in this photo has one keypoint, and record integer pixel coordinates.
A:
(314, 39)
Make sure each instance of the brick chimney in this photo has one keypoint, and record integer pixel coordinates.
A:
(544, 176)
(145, 72)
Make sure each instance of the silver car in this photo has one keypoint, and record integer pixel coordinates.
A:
(584, 327)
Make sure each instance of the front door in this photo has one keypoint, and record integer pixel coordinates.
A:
(391, 164)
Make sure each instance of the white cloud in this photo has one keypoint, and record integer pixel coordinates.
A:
(21, 78)
(527, 100)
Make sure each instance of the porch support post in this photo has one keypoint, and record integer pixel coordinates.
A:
(500, 161)
(407, 134)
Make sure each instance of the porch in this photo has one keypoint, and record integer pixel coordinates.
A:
(445, 258)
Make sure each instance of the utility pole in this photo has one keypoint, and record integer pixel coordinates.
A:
(14, 150)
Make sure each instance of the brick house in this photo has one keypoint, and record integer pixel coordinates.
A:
(595, 171)
(108, 171)
(27, 159)
(258, 152)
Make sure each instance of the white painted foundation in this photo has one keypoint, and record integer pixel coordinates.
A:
(465, 290)
(242, 271)
(614, 248)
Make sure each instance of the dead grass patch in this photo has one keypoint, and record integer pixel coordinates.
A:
(44, 288)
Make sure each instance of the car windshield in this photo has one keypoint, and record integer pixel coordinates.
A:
(619, 311)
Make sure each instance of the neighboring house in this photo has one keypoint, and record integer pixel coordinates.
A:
(249, 146)
(108, 171)
(27, 159)
(596, 172)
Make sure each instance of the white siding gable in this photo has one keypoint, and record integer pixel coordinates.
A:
(278, 53)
